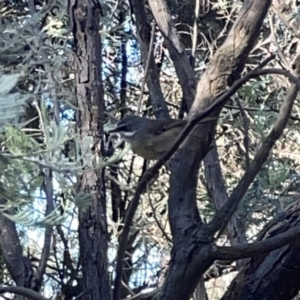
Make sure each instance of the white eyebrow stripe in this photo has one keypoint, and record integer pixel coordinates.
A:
(129, 133)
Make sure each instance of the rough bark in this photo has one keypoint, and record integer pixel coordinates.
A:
(19, 266)
(159, 105)
(93, 236)
(190, 253)
(217, 191)
(12, 251)
(178, 55)
(274, 275)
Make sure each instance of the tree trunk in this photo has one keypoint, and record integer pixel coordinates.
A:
(93, 236)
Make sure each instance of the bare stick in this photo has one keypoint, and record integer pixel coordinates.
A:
(139, 106)
(223, 216)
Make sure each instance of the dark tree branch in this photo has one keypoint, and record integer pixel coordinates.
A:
(223, 216)
(12, 250)
(218, 193)
(271, 275)
(22, 291)
(256, 248)
(146, 71)
(48, 184)
(159, 105)
(246, 133)
(258, 109)
(39, 274)
(165, 235)
(179, 57)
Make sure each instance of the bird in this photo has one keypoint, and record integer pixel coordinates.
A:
(151, 138)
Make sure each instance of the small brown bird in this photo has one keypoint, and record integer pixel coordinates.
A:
(151, 138)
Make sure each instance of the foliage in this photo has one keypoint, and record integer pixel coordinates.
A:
(37, 61)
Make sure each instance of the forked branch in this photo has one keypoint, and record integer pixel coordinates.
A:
(223, 216)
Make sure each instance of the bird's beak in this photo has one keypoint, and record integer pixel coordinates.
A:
(114, 131)
(118, 129)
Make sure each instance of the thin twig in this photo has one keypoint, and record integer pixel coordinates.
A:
(195, 32)
(274, 40)
(122, 186)
(158, 223)
(258, 109)
(139, 106)
(223, 216)
(246, 133)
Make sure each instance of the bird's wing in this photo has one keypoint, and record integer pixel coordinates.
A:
(180, 124)
(165, 134)
(165, 126)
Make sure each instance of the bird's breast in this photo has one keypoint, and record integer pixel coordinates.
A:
(143, 149)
